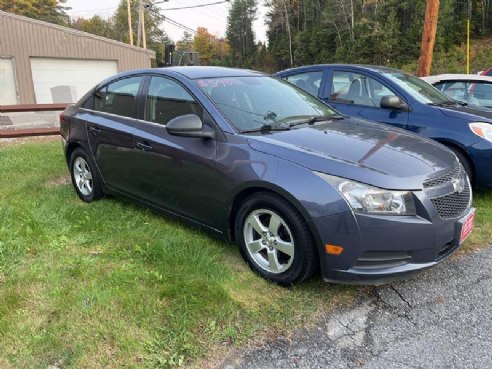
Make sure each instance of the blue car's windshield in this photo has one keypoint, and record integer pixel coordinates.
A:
(250, 103)
(418, 89)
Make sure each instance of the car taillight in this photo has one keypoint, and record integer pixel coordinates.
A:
(62, 118)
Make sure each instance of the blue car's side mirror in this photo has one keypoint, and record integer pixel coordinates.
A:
(394, 103)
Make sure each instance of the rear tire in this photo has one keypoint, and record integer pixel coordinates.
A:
(85, 178)
(275, 240)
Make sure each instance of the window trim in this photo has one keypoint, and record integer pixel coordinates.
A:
(207, 118)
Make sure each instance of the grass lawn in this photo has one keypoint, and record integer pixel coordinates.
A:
(113, 285)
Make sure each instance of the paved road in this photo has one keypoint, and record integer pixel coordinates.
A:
(441, 319)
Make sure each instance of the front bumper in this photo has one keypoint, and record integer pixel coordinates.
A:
(381, 249)
(481, 155)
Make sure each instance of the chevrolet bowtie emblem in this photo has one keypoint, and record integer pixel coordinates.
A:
(459, 184)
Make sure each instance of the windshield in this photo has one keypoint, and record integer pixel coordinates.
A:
(250, 103)
(418, 88)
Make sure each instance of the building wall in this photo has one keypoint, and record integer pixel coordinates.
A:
(23, 38)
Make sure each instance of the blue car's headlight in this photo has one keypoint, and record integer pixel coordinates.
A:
(482, 129)
(368, 199)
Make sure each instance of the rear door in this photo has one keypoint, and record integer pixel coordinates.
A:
(175, 173)
(359, 94)
(110, 127)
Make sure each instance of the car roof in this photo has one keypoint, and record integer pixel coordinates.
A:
(456, 77)
(194, 72)
(190, 72)
(374, 68)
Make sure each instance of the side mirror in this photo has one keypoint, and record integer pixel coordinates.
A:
(394, 103)
(188, 125)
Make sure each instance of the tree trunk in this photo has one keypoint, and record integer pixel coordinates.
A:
(287, 23)
(428, 37)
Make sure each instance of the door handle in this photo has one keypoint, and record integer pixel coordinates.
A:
(95, 131)
(144, 146)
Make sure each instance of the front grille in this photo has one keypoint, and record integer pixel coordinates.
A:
(453, 205)
(445, 179)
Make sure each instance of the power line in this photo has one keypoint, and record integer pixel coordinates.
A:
(177, 24)
(191, 6)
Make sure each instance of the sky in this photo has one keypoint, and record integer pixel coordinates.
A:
(213, 17)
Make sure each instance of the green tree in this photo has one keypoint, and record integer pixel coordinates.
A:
(240, 31)
(95, 25)
(203, 42)
(53, 11)
(186, 42)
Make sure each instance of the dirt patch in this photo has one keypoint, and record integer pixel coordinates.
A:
(24, 140)
(59, 181)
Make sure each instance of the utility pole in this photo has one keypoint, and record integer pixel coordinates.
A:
(144, 36)
(468, 37)
(130, 30)
(139, 26)
(428, 37)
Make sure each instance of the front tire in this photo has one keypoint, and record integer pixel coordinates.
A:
(275, 240)
(85, 179)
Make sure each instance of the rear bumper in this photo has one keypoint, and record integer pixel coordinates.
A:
(381, 249)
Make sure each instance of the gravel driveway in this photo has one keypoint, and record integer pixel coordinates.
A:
(441, 319)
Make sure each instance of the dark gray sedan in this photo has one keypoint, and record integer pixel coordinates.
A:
(298, 186)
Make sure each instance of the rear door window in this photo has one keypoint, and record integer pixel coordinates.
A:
(308, 81)
(119, 97)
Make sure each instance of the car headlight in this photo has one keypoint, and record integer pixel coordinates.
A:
(368, 199)
(482, 129)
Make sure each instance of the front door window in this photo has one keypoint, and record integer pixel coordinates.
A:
(358, 89)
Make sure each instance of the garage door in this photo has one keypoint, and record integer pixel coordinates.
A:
(8, 87)
(67, 80)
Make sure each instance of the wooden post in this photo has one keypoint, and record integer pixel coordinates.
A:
(139, 27)
(130, 30)
(428, 37)
(468, 46)
(144, 36)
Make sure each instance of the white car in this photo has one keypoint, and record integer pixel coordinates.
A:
(470, 88)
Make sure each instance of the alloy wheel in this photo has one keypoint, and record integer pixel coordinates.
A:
(83, 176)
(269, 241)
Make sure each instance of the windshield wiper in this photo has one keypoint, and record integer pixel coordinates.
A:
(316, 118)
(445, 103)
(266, 128)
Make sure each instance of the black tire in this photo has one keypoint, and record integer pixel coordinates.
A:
(465, 162)
(304, 261)
(93, 189)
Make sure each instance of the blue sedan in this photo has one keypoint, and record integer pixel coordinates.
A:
(397, 98)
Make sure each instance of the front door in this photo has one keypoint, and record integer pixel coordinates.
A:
(175, 173)
(359, 95)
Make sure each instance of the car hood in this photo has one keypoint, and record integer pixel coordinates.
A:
(363, 151)
(471, 113)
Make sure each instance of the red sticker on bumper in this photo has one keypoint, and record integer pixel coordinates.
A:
(467, 227)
